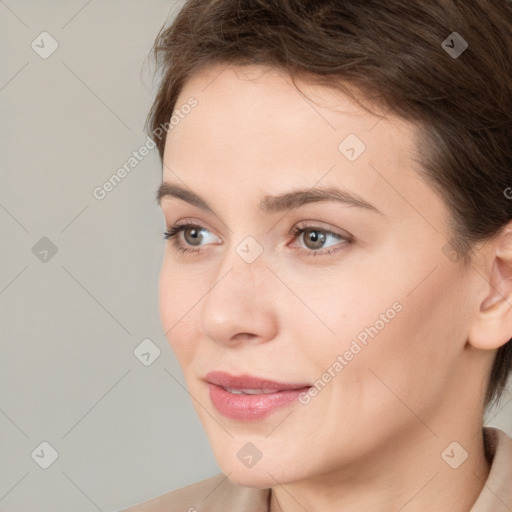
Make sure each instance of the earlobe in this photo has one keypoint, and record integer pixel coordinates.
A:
(492, 327)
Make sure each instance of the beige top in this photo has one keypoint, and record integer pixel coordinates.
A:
(219, 494)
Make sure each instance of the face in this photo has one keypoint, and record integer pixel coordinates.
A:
(352, 299)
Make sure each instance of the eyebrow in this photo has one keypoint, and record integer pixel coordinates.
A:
(272, 204)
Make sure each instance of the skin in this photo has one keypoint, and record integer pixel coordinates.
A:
(372, 438)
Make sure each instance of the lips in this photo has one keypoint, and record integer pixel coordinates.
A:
(248, 382)
(248, 398)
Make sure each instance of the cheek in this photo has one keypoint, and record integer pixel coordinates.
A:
(331, 312)
(177, 298)
(412, 357)
(395, 325)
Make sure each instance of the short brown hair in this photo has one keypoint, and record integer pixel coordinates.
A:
(395, 52)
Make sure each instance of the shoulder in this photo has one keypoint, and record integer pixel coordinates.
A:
(214, 494)
(496, 495)
(498, 445)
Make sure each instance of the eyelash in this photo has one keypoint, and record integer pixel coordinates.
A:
(172, 233)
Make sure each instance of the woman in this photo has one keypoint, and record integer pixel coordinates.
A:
(337, 276)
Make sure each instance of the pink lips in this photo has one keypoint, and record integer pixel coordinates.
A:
(250, 407)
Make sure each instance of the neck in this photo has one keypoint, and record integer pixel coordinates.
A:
(410, 476)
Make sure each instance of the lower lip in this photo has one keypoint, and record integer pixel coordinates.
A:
(250, 407)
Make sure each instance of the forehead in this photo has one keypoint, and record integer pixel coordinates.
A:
(243, 107)
(267, 96)
(254, 130)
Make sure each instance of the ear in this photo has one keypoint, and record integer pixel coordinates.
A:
(492, 327)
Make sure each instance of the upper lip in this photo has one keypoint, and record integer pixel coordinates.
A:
(227, 380)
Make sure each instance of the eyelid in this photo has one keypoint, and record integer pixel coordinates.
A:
(187, 223)
(314, 224)
(304, 224)
(345, 238)
(344, 241)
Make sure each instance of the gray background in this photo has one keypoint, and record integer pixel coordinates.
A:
(70, 321)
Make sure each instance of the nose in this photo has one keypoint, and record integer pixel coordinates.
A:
(240, 306)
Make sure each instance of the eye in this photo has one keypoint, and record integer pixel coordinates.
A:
(195, 238)
(315, 238)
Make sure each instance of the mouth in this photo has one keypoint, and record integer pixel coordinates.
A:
(249, 398)
(252, 391)
(250, 384)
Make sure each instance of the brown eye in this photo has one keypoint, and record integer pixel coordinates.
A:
(314, 238)
(195, 235)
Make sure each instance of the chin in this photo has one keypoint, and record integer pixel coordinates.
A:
(268, 471)
(251, 477)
